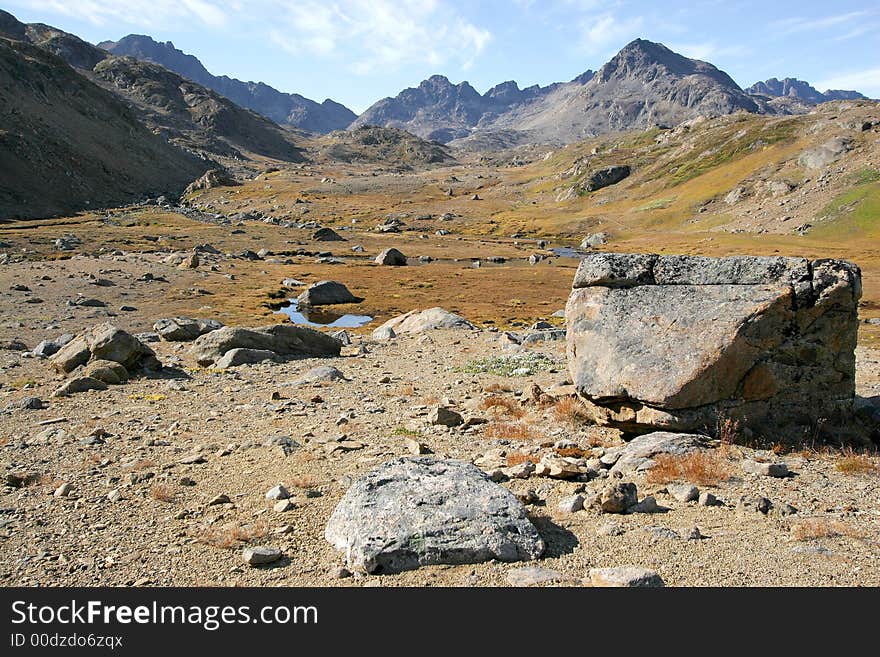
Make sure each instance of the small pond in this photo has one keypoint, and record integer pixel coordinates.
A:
(329, 319)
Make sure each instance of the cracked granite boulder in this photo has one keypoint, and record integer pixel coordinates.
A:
(681, 343)
(413, 512)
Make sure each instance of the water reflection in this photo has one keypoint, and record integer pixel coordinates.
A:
(313, 317)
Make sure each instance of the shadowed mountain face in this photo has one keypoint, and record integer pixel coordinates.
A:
(283, 108)
(67, 144)
(794, 88)
(184, 112)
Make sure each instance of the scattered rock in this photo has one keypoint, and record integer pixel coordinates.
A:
(320, 374)
(618, 497)
(391, 257)
(446, 417)
(638, 453)
(184, 329)
(283, 339)
(260, 555)
(683, 492)
(412, 512)
(79, 384)
(625, 576)
(327, 235)
(533, 576)
(104, 342)
(707, 499)
(571, 503)
(221, 498)
(235, 357)
(278, 492)
(325, 293)
(763, 469)
(419, 321)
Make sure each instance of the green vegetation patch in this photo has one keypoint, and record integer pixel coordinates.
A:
(857, 210)
(512, 365)
(864, 177)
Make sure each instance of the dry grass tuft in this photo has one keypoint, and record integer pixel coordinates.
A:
(570, 410)
(143, 464)
(515, 458)
(510, 431)
(805, 530)
(303, 481)
(233, 535)
(504, 406)
(704, 467)
(852, 463)
(497, 387)
(406, 390)
(162, 493)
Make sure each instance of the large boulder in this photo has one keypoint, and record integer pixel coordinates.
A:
(605, 177)
(284, 340)
(104, 342)
(391, 257)
(680, 342)
(325, 293)
(414, 512)
(327, 235)
(639, 453)
(184, 329)
(419, 321)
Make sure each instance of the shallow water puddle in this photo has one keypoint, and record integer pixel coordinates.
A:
(326, 318)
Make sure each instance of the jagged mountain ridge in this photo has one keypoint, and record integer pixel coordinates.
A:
(283, 108)
(794, 88)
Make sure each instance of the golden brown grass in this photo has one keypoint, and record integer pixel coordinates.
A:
(515, 458)
(510, 431)
(233, 535)
(162, 493)
(496, 387)
(573, 452)
(303, 481)
(853, 463)
(805, 530)
(143, 464)
(503, 406)
(704, 467)
(570, 410)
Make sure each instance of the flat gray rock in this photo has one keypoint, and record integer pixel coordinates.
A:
(282, 339)
(413, 512)
(638, 454)
(325, 293)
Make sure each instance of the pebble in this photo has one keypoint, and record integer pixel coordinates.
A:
(260, 555)
(281, 506)
(63, 490)
(683, 492)
(571, 503)
(222, 498)
(625, 576)
(532, 576)
(693, 534)
(610, 529)
(765, 469)
(707, 499)
(278, 492)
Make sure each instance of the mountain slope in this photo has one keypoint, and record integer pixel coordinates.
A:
(67, 144)
(442, 111)
(794, 88)
(283, 108)
(184, 112)
(645, 84)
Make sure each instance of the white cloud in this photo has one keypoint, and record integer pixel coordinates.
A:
(866, 82)
(794, 25)
(603, 31)
(707, 51)
(147, 13)
(379, 35)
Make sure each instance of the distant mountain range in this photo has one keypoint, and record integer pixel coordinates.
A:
(794, 88)
(283, 108)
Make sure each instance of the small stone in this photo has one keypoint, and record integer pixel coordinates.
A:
(442, 416)
(63, 490)
(114, 495)
(571, 503)
(624, 576)
(193, 459)
(610, 529)
(765, 469)
(284, 529)
(785, 509)
(521, 470)
(618, 497)
(757, 504)
(340, 572)
(416, 448)
(186, 481)
(663, 532)
(693, 534)
(529, 497)
(707, 499)
(222, 498)
(683, 492)
(532, 576)
(647, 505)
(283, 506)
(278, 492)
(258, 556)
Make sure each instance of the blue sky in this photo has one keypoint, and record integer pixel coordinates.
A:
(358, 51)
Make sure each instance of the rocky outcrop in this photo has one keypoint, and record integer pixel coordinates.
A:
(414, 512)
(679, 343)
(183, 329)
(419, 321)
(104, 342)
(325, 293)
(284, 340)
(605, 177)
